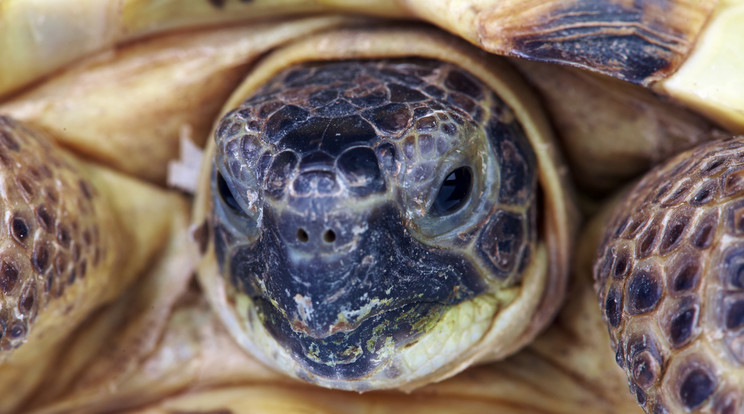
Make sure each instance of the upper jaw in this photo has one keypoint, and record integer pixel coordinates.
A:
(351, 354)
(326, 307)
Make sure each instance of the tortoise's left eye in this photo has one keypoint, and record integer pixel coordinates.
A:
(454, 192)
(227, 195)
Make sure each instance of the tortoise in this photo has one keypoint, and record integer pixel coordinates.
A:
(101, 313)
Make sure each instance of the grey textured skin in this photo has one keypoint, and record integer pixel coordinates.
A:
(331, 211)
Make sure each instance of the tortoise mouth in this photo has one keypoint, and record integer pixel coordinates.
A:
(350, 351)
(342, 315)
(342, 324)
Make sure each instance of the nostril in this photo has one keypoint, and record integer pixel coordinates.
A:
(329, 236)
(302, 235)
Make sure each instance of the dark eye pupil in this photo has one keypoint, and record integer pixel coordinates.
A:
(453, 193)
(226, 194)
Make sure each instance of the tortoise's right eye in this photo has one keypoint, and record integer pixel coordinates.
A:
(454, 192)
(227, 195)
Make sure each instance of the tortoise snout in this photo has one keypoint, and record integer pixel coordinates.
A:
(314, 184)
(317, 227)
(314, 237)
(329, 236)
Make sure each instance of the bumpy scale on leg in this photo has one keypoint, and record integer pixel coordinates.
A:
(670, 273)
(49, 238)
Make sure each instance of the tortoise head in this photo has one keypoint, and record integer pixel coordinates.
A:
(368, 214)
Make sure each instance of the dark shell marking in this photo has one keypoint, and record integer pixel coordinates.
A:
(684, 291)
(371, 196)
(636, 41)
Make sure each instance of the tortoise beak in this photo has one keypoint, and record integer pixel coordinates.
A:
(327, 298)
(330, 264)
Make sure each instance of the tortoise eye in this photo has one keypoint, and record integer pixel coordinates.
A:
(453, 193)
(227, 195)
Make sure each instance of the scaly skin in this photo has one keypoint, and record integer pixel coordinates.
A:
(669, 274)
(66, 247)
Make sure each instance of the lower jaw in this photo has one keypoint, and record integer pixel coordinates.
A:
(358, 352)
(442, 344)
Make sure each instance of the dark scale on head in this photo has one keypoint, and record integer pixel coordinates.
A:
(360, 168)
(463, 102)
(389, 118)
(502, 242)
(461, 82)
(338, 108)
(515, 157)
(341, 133)
(365, 178)
(283, 121)
(278, 177)
(400, 93)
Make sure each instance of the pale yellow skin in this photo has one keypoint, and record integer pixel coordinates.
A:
(169, 353)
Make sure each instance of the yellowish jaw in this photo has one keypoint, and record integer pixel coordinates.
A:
(459, 328)
(481, 329)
